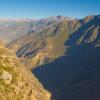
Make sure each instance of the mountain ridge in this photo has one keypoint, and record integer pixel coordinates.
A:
(63, 54)
(48, 38)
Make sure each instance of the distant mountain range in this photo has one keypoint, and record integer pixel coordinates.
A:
(15, 28)
(62, 52)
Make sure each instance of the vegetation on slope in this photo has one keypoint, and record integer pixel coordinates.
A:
(16, 82)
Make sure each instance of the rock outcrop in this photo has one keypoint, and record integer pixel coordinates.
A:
(17, 82)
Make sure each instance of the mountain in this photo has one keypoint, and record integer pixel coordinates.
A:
(67, 56)
(15, 28)
(17, 82)
(76, 75)
(38, 47)
(45, 42)
(63, 53)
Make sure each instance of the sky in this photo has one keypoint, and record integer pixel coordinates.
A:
(37, 9)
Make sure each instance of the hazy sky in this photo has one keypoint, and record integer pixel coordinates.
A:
(44, 8)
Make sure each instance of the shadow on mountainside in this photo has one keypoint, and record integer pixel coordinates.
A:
(75, 76)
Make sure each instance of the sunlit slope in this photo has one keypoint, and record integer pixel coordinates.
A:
(49, 42)
(16, 82)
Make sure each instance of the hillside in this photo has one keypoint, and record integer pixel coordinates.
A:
(47, 41)
(75, 76)
(16, 82)
(64, 55)
(15, 28)
(40, 47)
